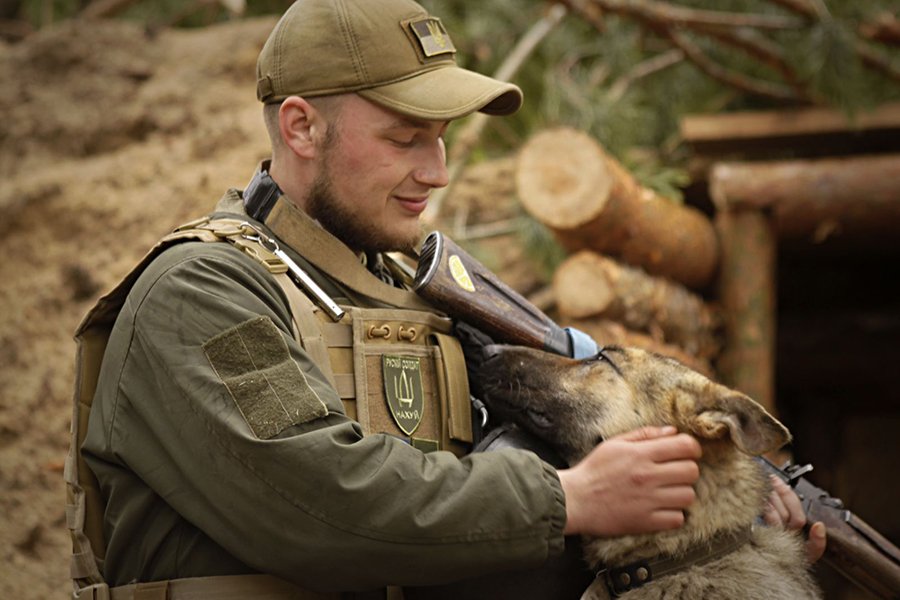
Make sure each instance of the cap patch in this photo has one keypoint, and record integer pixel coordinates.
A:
(433, 38)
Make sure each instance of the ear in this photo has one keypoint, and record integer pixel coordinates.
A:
(300, 125)
(722, 411)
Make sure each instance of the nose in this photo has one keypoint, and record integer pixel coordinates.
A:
(434, 172)
(491, 351)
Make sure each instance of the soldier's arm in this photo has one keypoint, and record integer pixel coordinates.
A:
(298, 499)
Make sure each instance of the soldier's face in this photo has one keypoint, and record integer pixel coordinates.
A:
(377, 169)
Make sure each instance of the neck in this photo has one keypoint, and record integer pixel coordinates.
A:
(292, 181)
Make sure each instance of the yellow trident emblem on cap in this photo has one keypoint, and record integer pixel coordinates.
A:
(436, 34)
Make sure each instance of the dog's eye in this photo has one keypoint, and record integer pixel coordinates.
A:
(602, 356)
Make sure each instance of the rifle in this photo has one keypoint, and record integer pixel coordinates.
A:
(854, 549)
(450, 278)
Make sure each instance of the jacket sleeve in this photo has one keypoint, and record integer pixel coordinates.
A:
(301, 493)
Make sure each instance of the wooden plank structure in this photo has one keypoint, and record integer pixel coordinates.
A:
(816, 199)
(806, 132)
(760, 204)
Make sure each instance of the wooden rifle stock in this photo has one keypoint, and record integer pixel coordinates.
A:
(451, 279)
(853, 548)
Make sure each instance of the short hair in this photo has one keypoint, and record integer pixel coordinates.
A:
(270, 116)
(329, 106)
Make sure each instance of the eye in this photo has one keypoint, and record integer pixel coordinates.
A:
(602, 356)
(403, 143)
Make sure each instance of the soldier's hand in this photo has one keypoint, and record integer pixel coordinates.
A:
(784, 509)
(638, 482)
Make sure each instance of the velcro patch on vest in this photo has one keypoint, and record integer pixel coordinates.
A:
(253, 361)
(403, 390)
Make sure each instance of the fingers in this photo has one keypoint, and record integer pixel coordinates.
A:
(784, 509)
(784, 506)
(649, 432)
(664, 443)
(676, 473)
(662, 520)
(676, 447)
(776, 513)
(815, 545)
(638, 482)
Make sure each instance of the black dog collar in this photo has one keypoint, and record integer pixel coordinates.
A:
(634, 575)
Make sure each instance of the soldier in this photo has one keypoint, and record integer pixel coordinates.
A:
(255, 438)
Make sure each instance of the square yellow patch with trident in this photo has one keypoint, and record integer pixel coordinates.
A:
(432, 36)
(403, 390)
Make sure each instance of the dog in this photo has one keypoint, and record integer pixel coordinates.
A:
(722, 551)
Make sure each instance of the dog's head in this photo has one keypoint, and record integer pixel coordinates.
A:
(575, 404)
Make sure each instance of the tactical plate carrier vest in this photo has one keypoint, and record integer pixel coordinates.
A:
(397, 371)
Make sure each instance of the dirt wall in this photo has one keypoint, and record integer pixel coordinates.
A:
(109, 139)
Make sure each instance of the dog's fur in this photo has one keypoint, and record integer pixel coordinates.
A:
(574, 404)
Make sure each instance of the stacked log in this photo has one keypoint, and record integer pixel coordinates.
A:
(589, 285)
(612, 333)
(567, 182)
(633, 254)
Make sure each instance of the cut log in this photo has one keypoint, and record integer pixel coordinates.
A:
(611, 333)
(747, 297)
(567, 182)
(816, 199)
(590, 285)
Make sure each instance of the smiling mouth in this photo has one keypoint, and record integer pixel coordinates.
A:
(413, 205)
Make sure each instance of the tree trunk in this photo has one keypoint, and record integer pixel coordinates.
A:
(857, 198)
(568, 183)
(611, 333)
(747, 296)
(591, 285)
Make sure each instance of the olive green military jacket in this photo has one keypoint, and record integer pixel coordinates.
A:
(192, 491)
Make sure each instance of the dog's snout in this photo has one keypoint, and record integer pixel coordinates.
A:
(491, 351)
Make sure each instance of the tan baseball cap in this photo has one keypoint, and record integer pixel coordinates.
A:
(391, 52)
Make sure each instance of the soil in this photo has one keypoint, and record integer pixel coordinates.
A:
(111, 137)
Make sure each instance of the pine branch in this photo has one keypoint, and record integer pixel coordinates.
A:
(742, 82)
(662, 14)
(877, 62)
(590, 11)
(760, 47)
(801, 7)
(885, 29)
(644, 69)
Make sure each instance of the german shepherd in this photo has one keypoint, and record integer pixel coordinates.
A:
(574, 404)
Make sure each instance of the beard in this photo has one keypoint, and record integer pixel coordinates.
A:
(342, 220)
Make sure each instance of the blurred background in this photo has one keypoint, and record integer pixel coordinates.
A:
(770, 127)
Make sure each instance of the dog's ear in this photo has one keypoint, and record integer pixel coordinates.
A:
(721, 411)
